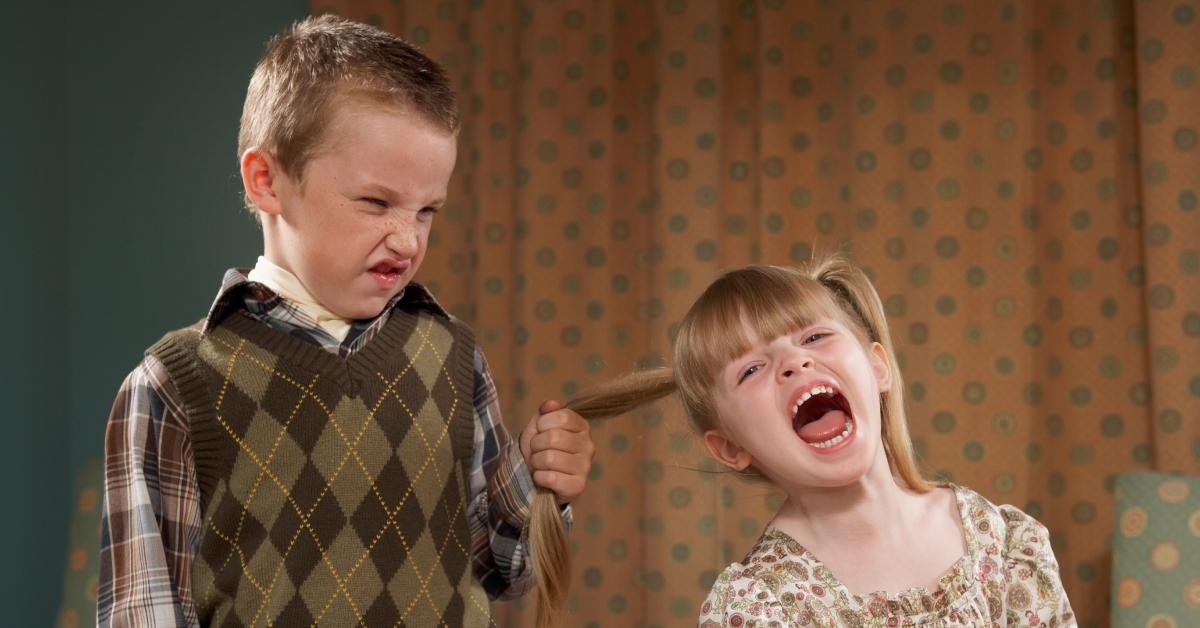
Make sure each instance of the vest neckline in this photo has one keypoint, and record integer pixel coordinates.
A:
(350, 372)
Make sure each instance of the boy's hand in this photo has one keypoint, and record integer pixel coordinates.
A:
(557, 445)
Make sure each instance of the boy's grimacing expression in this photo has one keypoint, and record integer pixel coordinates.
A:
(354, 225)
(803, 408)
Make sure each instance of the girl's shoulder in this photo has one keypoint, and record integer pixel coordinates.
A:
(774, 552)
(976, 508)
(1010, 543)
(982, 515)
(762, 587)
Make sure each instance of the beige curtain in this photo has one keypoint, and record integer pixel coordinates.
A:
(1020, 179)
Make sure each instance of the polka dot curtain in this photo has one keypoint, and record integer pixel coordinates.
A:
(1155, 549)
(1019, 178)
(82, 574)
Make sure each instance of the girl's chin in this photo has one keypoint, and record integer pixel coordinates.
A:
(828, 475)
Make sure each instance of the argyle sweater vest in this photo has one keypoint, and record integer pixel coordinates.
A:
(333, 490)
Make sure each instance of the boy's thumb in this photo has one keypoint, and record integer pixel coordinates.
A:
(550, 405)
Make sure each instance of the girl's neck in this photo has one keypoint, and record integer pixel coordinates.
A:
(875, 508)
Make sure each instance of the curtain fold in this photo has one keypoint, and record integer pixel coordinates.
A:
(1019, 179)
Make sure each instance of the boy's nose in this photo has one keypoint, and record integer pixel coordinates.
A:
(402, 241)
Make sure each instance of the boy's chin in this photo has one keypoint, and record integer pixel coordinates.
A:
(365, 305)
(366, 311)
(360, 309)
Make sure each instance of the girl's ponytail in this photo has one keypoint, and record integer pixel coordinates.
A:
(547, 536)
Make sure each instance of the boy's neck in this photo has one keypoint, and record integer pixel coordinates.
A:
(288, 286)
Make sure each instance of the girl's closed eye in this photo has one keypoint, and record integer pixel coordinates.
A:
(747, 372)
(814, 337)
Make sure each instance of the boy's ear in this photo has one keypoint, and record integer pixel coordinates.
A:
(726, 452)
(881, 366)
(260, 176)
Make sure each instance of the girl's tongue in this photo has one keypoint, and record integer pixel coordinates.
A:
(822, 417)
(824, 428)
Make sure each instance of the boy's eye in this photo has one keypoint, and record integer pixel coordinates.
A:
(814, 337)
(374, 201)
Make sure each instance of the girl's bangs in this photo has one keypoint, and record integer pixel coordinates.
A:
(766, 301)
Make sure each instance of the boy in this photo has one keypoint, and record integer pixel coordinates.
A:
(325, 447)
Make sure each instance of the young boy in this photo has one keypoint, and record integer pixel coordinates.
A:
(325, 447)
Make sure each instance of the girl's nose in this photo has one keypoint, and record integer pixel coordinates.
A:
(794, 365)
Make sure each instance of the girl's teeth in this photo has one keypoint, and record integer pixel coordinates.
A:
(836, 439)
(816, 390)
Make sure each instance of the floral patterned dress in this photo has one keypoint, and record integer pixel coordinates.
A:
(1007, 577)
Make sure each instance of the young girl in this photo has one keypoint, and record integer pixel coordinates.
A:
(790, 375)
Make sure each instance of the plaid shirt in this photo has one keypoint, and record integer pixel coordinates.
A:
(151, 524)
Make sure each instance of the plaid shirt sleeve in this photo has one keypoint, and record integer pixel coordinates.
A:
(151, 520)
(501, 492)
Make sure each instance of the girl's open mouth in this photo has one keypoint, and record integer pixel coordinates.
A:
(822, 417)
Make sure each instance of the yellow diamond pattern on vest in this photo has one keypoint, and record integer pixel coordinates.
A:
(340, 483)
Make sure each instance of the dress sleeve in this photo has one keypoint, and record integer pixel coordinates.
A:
(1035, 589)
(150, 523)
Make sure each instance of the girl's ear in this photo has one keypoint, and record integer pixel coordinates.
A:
(726, 452)
(881, 366)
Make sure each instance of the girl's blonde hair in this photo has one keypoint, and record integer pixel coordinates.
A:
(770, 301)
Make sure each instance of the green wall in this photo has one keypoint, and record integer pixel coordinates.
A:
(35, 254)
(123, 210)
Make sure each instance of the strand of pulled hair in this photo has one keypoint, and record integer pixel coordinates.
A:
(547, 535)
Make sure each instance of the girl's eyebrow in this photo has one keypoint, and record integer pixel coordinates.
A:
(817, 324)
(736, 362)
(735, 365)
(805, 329)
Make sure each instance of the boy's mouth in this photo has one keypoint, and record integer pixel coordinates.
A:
(821, 416)
(387, 273)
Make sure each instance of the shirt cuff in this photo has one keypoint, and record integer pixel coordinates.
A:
(512, 489)
(512, 497)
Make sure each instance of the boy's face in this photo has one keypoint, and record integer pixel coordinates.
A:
(354, 228)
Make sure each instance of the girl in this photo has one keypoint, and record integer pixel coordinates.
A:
(790, 375)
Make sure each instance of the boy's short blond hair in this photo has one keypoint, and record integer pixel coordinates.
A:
(308, 68)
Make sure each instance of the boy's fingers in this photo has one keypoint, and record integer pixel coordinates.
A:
(545, 479)
(560, 461)
(564, 487)
(562, 440)
(556, 419)
(549, 405)
(564, 420)
(526, 438)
